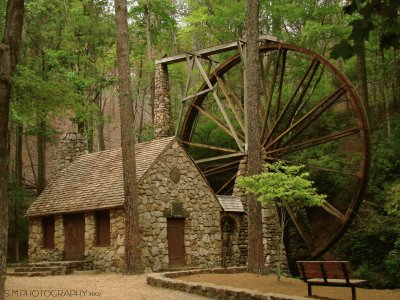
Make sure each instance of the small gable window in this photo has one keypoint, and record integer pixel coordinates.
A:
(102, 227)
(48, 232)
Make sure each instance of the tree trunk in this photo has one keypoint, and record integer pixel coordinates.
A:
(252, 96)
(362, 76)
(9, 49)
(149, 51)
(133, 262)
(396, 94)
(41, 157)
(141, 104)
(100, 123)
(19, 180)
(89, 133)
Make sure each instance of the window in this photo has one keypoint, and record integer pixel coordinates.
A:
(102, 227)
(48, 232)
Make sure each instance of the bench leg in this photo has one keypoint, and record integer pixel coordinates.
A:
(353, 293)
(309, 290)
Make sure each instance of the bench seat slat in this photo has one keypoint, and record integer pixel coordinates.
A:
(333, 269)
(355, 282)
(328, 273)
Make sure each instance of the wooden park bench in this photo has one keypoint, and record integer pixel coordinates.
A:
(328, 273)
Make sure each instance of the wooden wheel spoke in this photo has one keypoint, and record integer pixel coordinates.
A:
(230, 103)
(271, 93)
(302, 228)
(219, 123)
(302, 94)
(333, 211)
(314, 167)
(281, 77)
(314, 142)
(289, 102)
(203, 160)
(233, 133)
(309, 117)
(209, 147)
(232, 94)
(222, 168)
(226, 184)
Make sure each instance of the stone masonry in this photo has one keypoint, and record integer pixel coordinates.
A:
(36, 252)
(271, 229)
(163, 122)
(106, 258)
(201, 208)
(173, 178)
(72, 145)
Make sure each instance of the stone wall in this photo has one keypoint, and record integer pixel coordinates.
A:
(106, 258)
(232, 240)
(271, 229)
(174, 178)
(72, 145)
(171, 280)
(36, 252)
(163, 121)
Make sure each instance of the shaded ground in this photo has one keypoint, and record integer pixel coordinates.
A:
(290, 286)
(83, 287)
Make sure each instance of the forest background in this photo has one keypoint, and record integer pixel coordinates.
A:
(67, 70)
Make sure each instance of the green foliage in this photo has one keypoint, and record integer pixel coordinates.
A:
(372, 244)
(369, 16)
(283, 185)
(212, 22)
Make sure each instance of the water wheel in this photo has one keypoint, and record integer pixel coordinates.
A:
(309, 115)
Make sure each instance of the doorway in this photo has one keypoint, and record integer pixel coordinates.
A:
(176, 241)
(74, 229)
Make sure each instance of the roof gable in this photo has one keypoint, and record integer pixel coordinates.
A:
(94, 181)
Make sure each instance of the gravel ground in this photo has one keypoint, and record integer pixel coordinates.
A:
(83, 287)
(290, 286)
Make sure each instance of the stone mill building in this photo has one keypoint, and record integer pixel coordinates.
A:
(80, 215)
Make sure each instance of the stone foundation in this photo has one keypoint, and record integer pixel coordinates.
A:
(171, 281)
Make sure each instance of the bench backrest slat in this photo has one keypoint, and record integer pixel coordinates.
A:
(324, 269)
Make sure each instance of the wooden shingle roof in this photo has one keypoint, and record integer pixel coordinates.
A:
(230, 203)
(94, 181)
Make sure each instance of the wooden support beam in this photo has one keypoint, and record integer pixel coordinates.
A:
(212, 50)
(209, 147)
(199, 161)
(226, 184)
(234, 134)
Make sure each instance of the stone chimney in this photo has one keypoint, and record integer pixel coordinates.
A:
(72, 145)
(163, 120)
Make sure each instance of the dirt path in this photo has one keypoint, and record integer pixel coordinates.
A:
(83, 287)
(290, 286)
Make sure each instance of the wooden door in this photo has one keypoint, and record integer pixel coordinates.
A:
(176, 242)
(74, 229)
